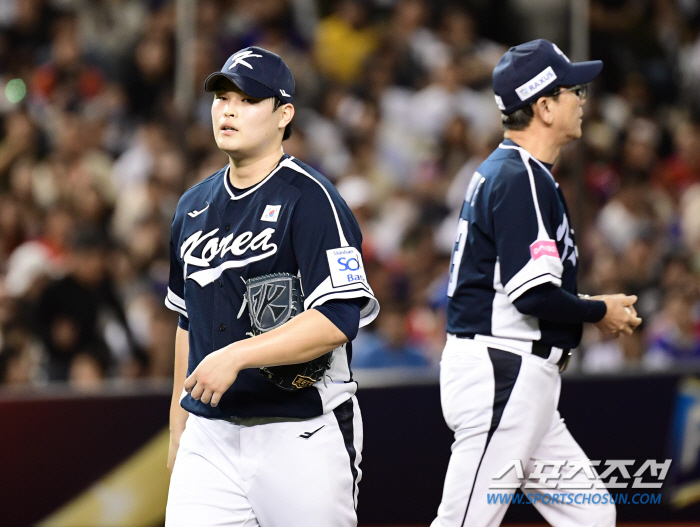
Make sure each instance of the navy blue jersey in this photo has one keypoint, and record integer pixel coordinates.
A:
(514, 234)
(294, 221)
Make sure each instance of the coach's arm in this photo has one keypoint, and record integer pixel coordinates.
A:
(612, 314)
(178, 415)
(305, 337)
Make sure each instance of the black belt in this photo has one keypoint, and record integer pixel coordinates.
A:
(538, 348)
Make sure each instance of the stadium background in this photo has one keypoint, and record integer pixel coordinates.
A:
(105, 124)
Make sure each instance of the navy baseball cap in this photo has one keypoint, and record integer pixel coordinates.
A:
(528, 71)
(258, 73)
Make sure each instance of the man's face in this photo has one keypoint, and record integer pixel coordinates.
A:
(245, 127)
(568, 114)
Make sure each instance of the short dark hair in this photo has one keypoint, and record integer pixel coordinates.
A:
(520, 119)
(288, 129)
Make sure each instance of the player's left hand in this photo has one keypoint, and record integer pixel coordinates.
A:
(214, 375)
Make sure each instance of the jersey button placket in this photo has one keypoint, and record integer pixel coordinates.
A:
(220, 308)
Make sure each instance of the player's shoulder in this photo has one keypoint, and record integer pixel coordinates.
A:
(202, 189)
(506, 169)
(311, 184)
(197, 195)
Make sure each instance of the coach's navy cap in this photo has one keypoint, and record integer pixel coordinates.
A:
(258, 73)
(528, 71)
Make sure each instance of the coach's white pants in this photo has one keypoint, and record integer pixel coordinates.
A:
(278, 474)
(502, 406)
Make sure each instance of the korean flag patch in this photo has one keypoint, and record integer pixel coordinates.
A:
(346, 267)
(271, 213)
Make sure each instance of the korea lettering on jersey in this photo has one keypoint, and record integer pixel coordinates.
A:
(514, 234)
(294, 221)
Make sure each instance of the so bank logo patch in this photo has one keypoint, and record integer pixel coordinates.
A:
(346, 266)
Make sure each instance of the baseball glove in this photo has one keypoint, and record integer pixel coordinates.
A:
(273, 299)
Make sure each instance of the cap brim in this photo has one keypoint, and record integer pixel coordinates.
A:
(582, 73)
(247, 85)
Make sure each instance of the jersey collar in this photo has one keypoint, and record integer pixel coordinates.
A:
(236, 197)
(509, 143)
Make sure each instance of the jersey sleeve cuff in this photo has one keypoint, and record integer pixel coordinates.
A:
(597, 309)
(175, 303)
(534, 282)
(325, 292)
(544, 269)
(368, 312)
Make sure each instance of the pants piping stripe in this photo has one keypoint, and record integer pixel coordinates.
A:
(506, 367)
(344, 414)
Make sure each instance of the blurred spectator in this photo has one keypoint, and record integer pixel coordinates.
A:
(19, 140)
(628, 216)
(108, 29)
(605, 355)
(344, 40)
(674, 337)
(80, 316)
(475, 54)
(149, 76)
(388, 347)
(19, 357)
(27, 33)
(682, 169)
(66, 80)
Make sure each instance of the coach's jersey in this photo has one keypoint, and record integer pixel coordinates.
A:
(294, 221)
(514, 234)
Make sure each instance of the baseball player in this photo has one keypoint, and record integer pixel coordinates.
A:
(267, 275)
(513, 310)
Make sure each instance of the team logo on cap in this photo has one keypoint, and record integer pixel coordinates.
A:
(536, 84)
(240, 58)
(499, 102)
(556, 48)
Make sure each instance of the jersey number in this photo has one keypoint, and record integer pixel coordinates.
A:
(457, 252)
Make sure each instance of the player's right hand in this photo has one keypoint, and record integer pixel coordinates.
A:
(620, 316)
(213, 376)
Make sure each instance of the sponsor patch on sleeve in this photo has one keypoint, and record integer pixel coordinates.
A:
(346, 267)
(544, 248)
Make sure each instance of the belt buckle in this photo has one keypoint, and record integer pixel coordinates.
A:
(564, 361)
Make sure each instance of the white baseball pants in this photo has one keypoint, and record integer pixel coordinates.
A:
(502, 406)
(278, 474)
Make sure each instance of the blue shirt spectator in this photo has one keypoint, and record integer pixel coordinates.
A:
(388, 347)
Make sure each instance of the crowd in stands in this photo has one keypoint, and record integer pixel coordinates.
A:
(393, 104)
